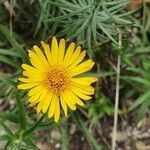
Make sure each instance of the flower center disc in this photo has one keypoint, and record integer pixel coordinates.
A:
(57, 80)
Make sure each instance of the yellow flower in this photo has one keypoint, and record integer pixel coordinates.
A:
(52, 78)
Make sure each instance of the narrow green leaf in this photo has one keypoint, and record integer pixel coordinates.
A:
(115, 18)
(9, 61)
(84, 25)
(86, 132)
(128, 13)
(42, 13)
(29, 131)
(89, 38)
(94, 25)
(142, 110)
(108, 12)
(107, 33)
(28, 141)
(64, 136)
(69, 4)
(122, 21)
(75, 2)
(65, 5)
(9, 132)
(72, 27)
(116, 2)
(122, 3)
(10, 52)
(27, 147)
(140, 71)
(21, 111)
(81, 3)
(5, 31)
(141, 50)
(140, 100)
(138, 80)
(9, 116)
(8, 80)
(59, 18)
(5, 138)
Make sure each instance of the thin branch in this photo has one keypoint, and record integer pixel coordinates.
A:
(114, 135)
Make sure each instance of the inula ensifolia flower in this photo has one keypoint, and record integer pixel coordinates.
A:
(52, 78)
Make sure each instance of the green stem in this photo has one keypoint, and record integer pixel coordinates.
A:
(34, 127)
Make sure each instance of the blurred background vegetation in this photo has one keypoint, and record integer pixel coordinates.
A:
(96, 26)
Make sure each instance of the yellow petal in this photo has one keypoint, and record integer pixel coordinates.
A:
(61, 51)
(74, 56)
(35, 98)
(30, 73)
(69, 53)
(67, 101)
(41, 56)
(35, 90)
(81, 95)
(36, 62)
(33, 104)
(81, 68)
(87, 90)
(52, 106)
(74, 98)
(64, 106)
(27, 67)
(47, 52)
(25, 80)
(47, 102)
(42, 100)
(57, 110)
(84, 80)
(27, 85)
(54, 50)
(78, 59)
(33, 76)
(31, 70)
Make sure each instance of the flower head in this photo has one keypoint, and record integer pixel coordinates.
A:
(52, 78)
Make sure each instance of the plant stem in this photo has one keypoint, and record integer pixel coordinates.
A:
(34, 127)
(114, 134)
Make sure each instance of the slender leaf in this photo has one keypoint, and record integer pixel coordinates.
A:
(84, 25)
(67, 5)
(89, 38)
(116, 2)
(107, 33)
(29, 131)
(94, 24)
(10, 52)
(8, 80)
(66, 16)
(140, 80)
(5, 31)
(9, 61)
(9, 116)
(5, 138)
(140, 100)
(21, 111)
(42, 13)
(30, 142)
(142, 110)
(9, 132)
(86, 132)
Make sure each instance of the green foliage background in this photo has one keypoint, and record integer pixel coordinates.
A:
(96, 26)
